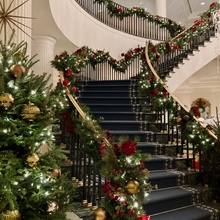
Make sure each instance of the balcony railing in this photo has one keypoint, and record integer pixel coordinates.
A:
(134, 25)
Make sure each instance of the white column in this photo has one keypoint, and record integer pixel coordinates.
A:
(161, 8)
(43, 46)
(24, 22)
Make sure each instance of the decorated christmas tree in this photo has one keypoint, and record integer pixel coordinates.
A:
(31, 184)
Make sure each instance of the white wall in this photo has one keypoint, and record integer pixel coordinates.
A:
(82, 29)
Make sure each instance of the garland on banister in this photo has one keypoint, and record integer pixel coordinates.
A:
(199, 27)
(72, 64)
(126, 187)
(170, 25)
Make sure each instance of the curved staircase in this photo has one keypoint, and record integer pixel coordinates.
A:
(125, 114)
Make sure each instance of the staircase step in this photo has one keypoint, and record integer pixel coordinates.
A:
(108, 82)
(151, 148)
(104, 93)
(166, 178)
(187, 213)
(145, 136)
(170, 198)
(115, 115)
(132, 125)
(105, 100)
(159, 162)
(113, 107)
(110, 87)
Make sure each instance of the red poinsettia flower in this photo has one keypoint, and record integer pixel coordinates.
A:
(119, 10)
(154, 92)
(195, 110)
(194, 28)
(199, 22)
(66, 82)
(144, 217)
(151, 79)
(119, 212)
(116, 150)
(213, 5)
(131, 211)
(137, 50)
(175, 47)
(134, 8)
(108, 134)
(102, 148)
(128, 55)
(165, 93)
(69, 128)
(114, 60)
(106, 187)
(79, 50)
(154, 49)
(168, 45)
(128, 147)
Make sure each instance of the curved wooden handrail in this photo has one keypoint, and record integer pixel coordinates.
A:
(171, 94)
(77, 107)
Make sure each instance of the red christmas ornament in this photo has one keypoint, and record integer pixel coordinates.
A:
(74, 89)
(66, 82)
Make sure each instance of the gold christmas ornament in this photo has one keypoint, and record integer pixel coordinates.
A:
(30, 112)
(132, 187)
(32, 160)
(179, 119)
(6, 100)
(56, 173)
(11, 215)
(17, 69)
(100, 214)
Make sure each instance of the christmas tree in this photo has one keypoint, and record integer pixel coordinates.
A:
(31, 184)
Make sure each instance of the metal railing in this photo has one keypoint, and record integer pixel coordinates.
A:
(104, 71)
(84, 172)
(134, 25)
(168, 61)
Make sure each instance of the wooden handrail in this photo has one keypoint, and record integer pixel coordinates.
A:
(77, 107)
(171, 94)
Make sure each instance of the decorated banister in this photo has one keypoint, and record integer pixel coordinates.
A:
(170, 93)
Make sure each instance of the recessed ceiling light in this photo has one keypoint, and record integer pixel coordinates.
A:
(202, 3)
(140, 2)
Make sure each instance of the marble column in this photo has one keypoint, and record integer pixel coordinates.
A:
(43, 46)
(161, 8)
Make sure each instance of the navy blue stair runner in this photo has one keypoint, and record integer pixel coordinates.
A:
(127, 115)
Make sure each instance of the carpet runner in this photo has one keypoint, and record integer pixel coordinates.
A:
(127, 115)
